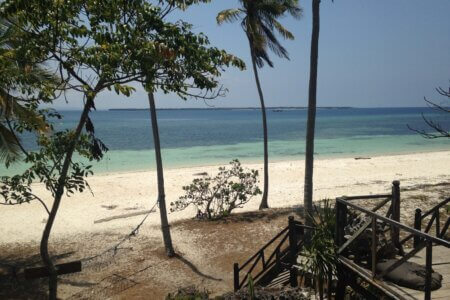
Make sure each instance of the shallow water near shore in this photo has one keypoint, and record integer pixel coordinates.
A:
(196, 137)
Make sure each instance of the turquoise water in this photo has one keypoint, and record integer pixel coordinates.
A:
(205, 137)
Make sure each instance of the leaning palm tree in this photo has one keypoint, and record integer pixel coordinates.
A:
(17, 74)
(259, 22)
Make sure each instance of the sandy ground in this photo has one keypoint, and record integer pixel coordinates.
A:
(122, 194)
(139, 268)
(88, 224)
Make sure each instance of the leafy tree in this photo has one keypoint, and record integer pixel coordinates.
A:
(186, 66)
(259, 22)
(92, 46)
(95, 46)
(216, 197)
(18, 92)
(45, 162)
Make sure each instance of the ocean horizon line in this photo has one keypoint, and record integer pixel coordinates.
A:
(244, 108)
(232, 108)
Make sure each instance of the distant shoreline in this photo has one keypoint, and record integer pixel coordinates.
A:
(277, 108)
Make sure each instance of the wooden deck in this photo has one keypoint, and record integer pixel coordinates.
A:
(282, 265)
(441, 264)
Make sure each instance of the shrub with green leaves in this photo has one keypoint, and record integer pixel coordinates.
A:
(215, 197)
(44, 162)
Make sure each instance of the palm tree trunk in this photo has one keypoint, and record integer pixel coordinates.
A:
(165, 228)
(310, 127)
(264, 202)
(53, 281)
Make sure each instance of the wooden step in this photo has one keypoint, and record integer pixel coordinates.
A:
(281, 280)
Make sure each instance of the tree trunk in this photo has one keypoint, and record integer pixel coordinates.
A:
(165, 228)
(264, 202)
(310, 127)
(53, 281)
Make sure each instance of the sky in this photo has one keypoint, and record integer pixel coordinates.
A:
(372, 53)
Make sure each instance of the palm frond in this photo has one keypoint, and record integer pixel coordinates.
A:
(271, 9)
(286, 34)
(9, 147)
(229, 15)
(261, 56)
(258, 43)
(259, 21)
(273, 43)
(292, 7)
(6, 33)
(10, 108)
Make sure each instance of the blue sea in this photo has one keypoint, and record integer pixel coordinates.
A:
(193, 137)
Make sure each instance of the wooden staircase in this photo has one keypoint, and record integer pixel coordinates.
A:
(281, 253)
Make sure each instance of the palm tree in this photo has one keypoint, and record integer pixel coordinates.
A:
(160, 174)
(259, 22)
(311, 123)
(15, 67)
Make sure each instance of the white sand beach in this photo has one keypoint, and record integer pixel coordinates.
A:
(123, 194)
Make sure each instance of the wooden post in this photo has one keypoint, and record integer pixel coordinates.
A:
(438, 223)
(374, 246)
(341, 284)
(277, 260)
(261, 253)
(429, 258)
(444, 229)
(236, 276)
(337, 241)
(293, 252)
(396, 211)
(341, 222)
(417, 225)
(301, 231)
(61, 269)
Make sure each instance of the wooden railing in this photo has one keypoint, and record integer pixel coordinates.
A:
(435, 219)
(288, 244)
(425, 240)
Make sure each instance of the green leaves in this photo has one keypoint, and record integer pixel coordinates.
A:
(22, 84)
(259, 21)
(318, 257)
(123, 89)
(183, 62)
(92, 46)
(215, 197)
(9, 146)
(229, 15)
(45, 166)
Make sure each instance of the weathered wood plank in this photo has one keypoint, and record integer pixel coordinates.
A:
(61, 269)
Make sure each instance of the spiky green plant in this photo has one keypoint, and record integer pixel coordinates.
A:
(318, 257)
(251, 288)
